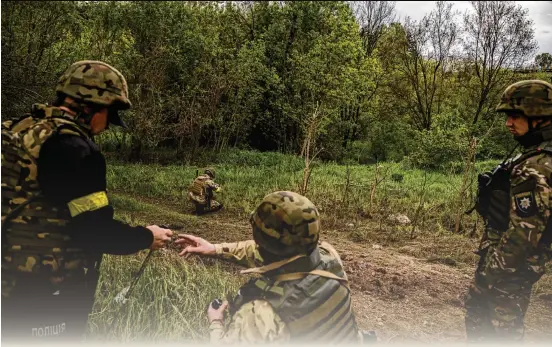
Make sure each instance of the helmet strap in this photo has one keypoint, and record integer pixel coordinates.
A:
(80, 113)
(530, 125)
(535, 136)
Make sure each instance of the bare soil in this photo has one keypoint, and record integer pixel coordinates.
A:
(401, 297)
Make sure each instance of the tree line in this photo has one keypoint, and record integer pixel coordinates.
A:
(361, 84)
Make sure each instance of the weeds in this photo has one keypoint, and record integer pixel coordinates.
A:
(169, 301)
(332, 186)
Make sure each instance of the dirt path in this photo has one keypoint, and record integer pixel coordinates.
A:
(408, 299)
(402, 298)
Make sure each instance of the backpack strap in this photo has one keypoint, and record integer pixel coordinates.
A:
(17, 210)
(546, 149)
(300, 275)
(68, 126)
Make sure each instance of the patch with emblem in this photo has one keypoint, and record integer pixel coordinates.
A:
(525, 204)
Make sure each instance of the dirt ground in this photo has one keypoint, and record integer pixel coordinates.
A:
(407, 299)
(402, 298)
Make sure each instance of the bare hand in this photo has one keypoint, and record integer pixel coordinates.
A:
(217, 314)
(195, 245)
(161, 236)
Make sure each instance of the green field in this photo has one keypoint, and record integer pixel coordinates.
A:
(169, 301)
(339, 191)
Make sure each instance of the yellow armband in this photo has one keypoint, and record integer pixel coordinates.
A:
(87, 203)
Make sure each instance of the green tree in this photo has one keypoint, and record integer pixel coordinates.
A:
(34, 50)
(544, 60)
(499, 36)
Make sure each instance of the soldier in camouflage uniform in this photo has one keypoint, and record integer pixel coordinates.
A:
(56, 218)
(201, 192)
(516, 205)
(302, 294)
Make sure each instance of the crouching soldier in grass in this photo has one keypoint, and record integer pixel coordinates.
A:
(515, 201)
(302, 294)
(201, 192)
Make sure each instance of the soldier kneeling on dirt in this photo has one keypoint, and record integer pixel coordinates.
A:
(303, 292)
(201, 192)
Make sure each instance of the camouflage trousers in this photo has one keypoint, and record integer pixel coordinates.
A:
(495, 310)
(204, 208)
(202, 205)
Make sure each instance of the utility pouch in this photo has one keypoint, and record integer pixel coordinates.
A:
(493, 197)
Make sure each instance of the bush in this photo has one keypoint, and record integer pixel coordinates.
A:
(361, 153)
(496, 145)
(436, 148)
(255, 158)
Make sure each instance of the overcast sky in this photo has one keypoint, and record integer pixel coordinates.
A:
(539, 11)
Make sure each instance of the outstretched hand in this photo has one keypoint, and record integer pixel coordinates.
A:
(195, 245)
(161, 236)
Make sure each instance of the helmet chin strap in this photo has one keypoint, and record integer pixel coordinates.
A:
(534, 135)
(532, 128)
(530, 125)
(80, 113)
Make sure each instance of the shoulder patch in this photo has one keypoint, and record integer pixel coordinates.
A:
(525, 204)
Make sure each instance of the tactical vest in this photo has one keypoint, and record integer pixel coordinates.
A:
(314, 306)
(36, 245)
(493, 197)
(198, 186)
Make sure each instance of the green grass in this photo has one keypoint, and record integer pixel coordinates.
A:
(431, 198)
(169, 301)
(137, 212)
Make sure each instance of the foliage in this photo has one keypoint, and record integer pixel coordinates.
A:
(169, 300)
(544, 60)
(209, 76)
(445, 143)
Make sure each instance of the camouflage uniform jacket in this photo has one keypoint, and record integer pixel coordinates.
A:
(257, 321)
(519, 247)
(201, 188)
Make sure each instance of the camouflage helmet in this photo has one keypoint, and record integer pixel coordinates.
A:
(532, 97)
(210, 172)
(95, 82)
(286, 224)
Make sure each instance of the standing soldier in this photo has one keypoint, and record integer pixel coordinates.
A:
(515, 201)
(303, 294)
(56, 218)
(201, 192)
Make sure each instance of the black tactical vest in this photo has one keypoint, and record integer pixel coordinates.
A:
(493, 197)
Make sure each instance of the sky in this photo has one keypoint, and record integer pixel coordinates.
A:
(539, 11)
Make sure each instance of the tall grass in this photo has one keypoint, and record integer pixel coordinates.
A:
(170, 299)
(430, 195)
(168, 303)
